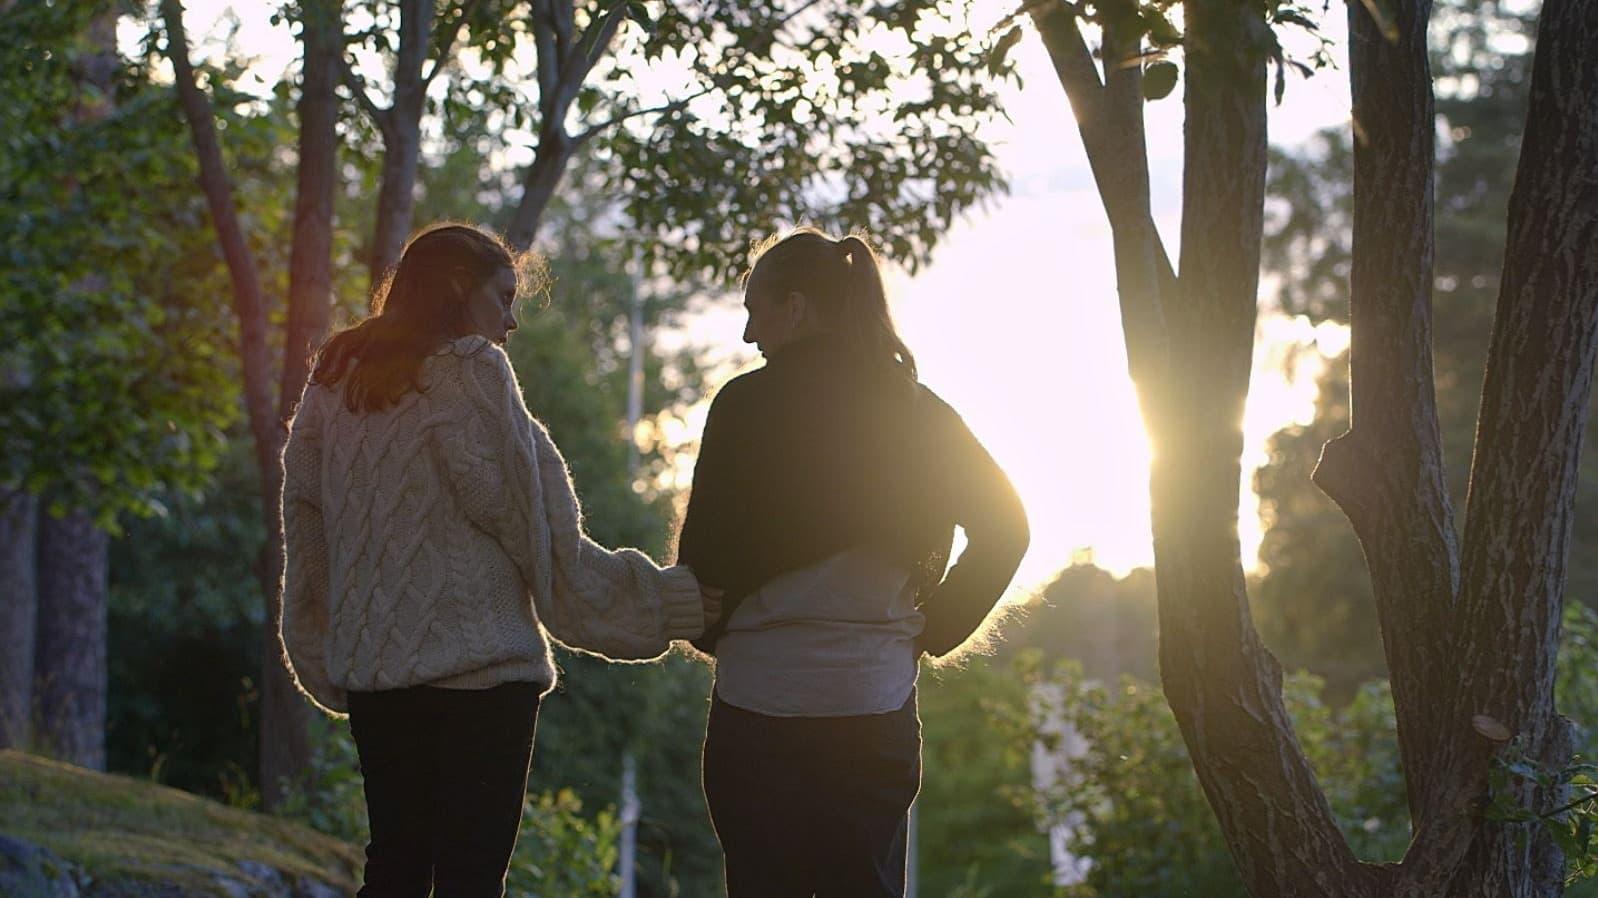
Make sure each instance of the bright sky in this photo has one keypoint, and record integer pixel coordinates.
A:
(1016, 322)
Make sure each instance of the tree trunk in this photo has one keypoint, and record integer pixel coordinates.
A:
(255, 362)
(68, 652)
(1222, 684)
(19, 604)
(285, 716)
(69, 659)
(543, 177)
(285, 741)
(1534, 409)
(402, 139)
(1386, 472)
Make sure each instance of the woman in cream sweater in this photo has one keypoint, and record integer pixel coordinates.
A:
(432, 537)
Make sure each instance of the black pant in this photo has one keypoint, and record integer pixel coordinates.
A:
(812, 805)
(445, 771)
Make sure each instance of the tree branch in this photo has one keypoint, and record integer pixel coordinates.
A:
(591, 45)
(594, 130)
(446, 45)
(357, 88)
(549, 56)
(1110, 120)
(563, 14)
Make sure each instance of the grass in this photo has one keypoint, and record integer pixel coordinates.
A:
(120, 828)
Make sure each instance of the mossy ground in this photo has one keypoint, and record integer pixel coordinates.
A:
(120, 828)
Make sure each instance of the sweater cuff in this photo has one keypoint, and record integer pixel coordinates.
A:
(681, 604)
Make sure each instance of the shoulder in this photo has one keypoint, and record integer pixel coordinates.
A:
(473, 360)
(740, 391)
(315, 402)
(938, 418)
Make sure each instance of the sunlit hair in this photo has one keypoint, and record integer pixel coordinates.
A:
(418, 307)
(843, 282)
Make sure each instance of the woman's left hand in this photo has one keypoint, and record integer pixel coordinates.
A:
(712, 602)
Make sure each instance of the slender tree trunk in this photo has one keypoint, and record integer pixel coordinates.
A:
(19, 605)
(284, 718)
(396, 197)
(1386, 472)
(285, 744)
(248, 304)
(565, 59)
(402, 138)
(69, 660)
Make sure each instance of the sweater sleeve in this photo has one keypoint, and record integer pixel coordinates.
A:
(617, 603)
(512, 482)
(985, 505)
(303, 628)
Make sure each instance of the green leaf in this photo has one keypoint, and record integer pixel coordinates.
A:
(1159, 79)
(638, 11)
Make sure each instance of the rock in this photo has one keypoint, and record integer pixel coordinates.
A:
(265, 877)
(233, 888)
(306, 887)
(28, 871)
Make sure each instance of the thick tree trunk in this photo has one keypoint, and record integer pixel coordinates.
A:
(1528, 444)
(19, 605)
(69, 659)
(1222, 684)
(402, 138)
(310, 295)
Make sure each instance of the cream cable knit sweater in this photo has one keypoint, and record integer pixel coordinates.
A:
(434, 541)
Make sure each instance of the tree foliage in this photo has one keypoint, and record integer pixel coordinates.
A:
(113, 385)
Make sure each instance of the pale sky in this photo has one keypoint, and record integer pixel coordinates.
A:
(1015, 321)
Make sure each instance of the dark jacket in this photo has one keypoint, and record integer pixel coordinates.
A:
(818, 452)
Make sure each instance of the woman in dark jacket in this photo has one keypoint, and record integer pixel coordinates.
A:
(824, 503)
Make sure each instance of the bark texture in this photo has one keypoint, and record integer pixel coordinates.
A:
(19, 606)
(1387, 472)
(285, 716)
(284, 719)
(1528, 444)
(69, 657)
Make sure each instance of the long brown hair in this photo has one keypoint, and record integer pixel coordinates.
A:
(418, 306)
(843, 280)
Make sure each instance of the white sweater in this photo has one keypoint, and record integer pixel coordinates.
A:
(433, 542)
